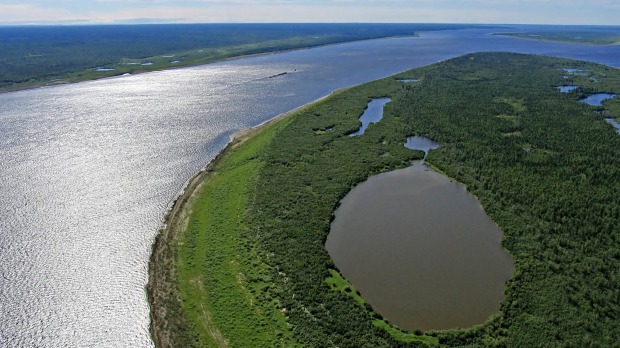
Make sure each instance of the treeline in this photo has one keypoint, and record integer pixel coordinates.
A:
(42, 53)
(545, 167)
(593, 35)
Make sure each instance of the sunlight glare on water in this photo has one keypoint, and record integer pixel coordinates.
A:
(88, 171)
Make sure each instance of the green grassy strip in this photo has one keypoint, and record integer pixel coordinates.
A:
(214, 258)
(338, 283)
(404, 336)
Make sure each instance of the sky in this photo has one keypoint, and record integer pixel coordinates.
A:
(602, 12)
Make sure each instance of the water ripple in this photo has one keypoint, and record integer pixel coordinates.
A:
(88, 171)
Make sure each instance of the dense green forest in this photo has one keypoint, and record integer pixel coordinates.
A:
(249, 262)
(41, 55)
(589, 35)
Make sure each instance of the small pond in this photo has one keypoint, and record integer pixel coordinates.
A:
(597, 99)
(372, 114)
(566, 89)
(577, 72)
(614, 123)
(421, 250)
(421, 143)
(408, 80)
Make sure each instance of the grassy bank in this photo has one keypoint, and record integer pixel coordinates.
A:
(201, 262)
(213, 255)
(247, 265)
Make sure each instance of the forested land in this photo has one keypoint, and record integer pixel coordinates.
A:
(545, 167)
(589, 35)
(42, 55)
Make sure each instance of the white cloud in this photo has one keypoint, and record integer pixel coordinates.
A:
(29, 14)
(204, 11)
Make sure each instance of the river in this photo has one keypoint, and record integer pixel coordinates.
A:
(89, 170)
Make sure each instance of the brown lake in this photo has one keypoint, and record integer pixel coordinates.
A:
(421, 250)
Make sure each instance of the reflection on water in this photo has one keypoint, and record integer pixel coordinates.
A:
(421, 143)
(577, 72)
(372, 114)
(566, 89)
(421, 250)
(408, 80)
(597, 99)
(613, 122)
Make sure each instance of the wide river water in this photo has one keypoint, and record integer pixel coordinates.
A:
(88, 170)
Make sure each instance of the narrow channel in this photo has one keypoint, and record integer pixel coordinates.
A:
(417, 142)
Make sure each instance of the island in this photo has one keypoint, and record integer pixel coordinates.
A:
(241, 260)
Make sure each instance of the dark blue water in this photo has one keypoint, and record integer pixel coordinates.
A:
(566, 89)
(597, 99)
(89, 170)
(372, 114)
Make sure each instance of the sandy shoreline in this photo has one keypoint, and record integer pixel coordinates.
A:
(161, 278)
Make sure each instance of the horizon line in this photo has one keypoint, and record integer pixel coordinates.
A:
(147, 23)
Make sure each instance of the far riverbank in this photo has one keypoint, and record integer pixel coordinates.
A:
(131, 67)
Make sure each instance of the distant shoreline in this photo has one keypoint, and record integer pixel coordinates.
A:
(114, 74)
(545, 39)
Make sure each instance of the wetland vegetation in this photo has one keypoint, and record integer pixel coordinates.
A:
(247, 264)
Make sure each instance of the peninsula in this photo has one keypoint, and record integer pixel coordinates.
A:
(241, 260)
